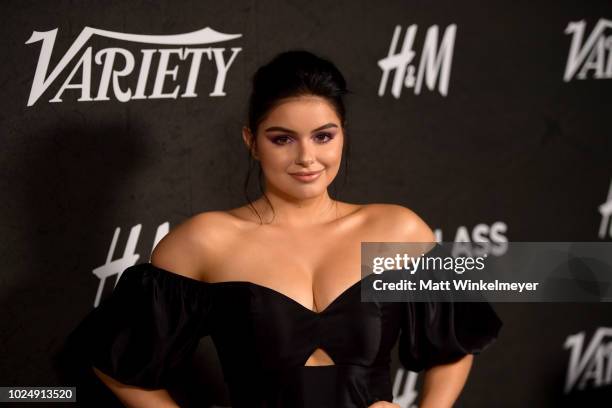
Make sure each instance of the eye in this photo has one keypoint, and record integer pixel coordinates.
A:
(281, 140)
(321, 137)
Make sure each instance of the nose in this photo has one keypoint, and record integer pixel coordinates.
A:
(305, 154)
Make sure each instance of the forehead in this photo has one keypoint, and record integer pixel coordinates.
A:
(302, 110)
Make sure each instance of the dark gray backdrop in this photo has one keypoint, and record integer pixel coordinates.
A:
(512, 150)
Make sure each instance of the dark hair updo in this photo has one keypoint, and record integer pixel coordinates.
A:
(290, 74)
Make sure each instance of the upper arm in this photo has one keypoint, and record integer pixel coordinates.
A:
(189, 248)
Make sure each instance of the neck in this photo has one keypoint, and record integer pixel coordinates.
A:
(291, 212)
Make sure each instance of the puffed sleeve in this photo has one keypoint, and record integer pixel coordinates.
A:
(435, 333)
(146, 328)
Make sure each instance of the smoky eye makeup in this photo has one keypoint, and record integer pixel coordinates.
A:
(320, 138)
(280, 140)
(324, 137)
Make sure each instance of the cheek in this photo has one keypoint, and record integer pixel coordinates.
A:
(333, 156)
(275, 159)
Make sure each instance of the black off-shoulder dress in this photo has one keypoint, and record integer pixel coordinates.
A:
(155, 318)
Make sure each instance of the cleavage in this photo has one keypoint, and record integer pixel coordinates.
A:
(283, 297)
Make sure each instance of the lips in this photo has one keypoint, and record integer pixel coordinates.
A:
(310, 173)
(307, 176)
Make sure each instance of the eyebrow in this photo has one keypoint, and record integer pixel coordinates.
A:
(282, 129)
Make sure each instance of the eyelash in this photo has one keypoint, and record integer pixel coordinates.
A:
(275, 140)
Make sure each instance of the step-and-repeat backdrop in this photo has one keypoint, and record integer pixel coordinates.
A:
(121, 119)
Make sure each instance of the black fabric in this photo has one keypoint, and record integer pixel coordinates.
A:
(151, 324)
(436, 332)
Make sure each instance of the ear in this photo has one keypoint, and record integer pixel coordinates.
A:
(249, 141)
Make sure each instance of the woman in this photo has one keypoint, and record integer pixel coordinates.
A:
(275, 282)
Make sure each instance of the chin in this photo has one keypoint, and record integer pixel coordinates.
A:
(306, 192)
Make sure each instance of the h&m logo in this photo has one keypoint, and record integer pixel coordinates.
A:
(434, 65)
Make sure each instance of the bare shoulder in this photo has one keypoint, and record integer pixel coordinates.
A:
(193, 246)
(400, 223)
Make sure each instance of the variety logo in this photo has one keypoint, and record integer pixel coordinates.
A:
(113, 79)
(593, 364)
(116, 267)
(591, 54)
(434, 65)
(606, 212)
